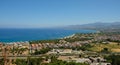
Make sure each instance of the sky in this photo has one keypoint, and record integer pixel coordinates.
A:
(53, 13)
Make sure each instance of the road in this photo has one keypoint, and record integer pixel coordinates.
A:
(22, 57)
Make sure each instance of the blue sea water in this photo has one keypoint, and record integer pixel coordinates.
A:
(14, 35)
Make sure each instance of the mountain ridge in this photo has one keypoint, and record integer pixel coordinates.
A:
(101, 26)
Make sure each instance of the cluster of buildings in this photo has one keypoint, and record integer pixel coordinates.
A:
(63, 49)
(106, 37)
(70, 55)
(62, 44)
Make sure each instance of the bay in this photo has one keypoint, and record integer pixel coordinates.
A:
(15, 35)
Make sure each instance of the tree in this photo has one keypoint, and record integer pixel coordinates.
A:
(21, 50)
(29, 61)
(1, 61)
(21, 62)
(113, 59)
(105, 50)
(42, 51)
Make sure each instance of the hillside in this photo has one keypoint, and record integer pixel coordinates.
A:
(112, 47)
(115, 26)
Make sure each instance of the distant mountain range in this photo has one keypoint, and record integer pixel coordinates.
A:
(97, 26)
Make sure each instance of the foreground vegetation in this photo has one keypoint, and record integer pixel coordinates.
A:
(113, 59)
(40, 61)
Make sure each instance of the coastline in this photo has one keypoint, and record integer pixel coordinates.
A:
(35, 40)
(21, 35)
(68, 36)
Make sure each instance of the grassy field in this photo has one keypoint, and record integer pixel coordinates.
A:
(112, 46)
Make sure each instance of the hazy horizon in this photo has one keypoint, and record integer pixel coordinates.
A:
(57, 13)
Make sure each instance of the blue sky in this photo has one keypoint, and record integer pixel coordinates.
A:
(52, 13)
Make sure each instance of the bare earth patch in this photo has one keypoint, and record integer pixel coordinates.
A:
(115, 50)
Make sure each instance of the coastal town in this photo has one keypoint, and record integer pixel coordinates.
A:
(59, 32)
(84, 48)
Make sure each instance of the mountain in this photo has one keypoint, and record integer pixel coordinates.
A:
(97, 26)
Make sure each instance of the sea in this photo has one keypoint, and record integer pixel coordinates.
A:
(17, 35)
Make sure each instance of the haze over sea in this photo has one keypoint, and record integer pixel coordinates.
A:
(15, 35)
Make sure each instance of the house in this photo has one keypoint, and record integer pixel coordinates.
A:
(60, 51)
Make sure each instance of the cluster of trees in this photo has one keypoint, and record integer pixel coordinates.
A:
(29, 61)
(79, 37)
(83, 48)
(113, 59)
(42, 51)
(118, 41)
(59, 62)
(105, 50)
(20, 62)
(18, 51)
(38, 61)
(1, 61)
(45, 41)
(76, 39)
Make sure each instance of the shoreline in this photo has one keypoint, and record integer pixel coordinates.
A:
(36, 40)
(68, 36)
(64, 37)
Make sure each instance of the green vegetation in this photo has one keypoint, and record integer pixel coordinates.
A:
(59, 62)
(38, 61)
(111, 47)
(20, 62)
(105, 50)
(113, 59)
(29, 61)
(76, 39)
(42, 51)
(83, 48)
(2, 61)
(35, 61)
(18, 50)
(79, 37)
(45, 41)
(0, 50)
